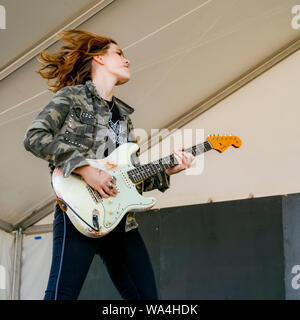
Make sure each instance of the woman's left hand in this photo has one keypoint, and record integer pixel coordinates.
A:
(184, 161)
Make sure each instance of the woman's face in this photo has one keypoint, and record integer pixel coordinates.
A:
(115, 64)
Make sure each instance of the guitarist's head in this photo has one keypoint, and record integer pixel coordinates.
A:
(85, 56)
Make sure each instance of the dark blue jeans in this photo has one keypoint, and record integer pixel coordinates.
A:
(124, 254)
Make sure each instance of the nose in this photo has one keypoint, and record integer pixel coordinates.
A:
(127, 62)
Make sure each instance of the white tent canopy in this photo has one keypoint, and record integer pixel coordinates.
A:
(186, 57)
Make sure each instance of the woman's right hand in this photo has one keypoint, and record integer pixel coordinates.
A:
(98, 180)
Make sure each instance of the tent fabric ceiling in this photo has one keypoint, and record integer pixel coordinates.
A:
(23, 17)
(181, 52)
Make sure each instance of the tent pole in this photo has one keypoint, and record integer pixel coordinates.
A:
(17, 265)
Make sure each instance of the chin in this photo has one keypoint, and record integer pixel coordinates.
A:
(123, 76)
(122, 81)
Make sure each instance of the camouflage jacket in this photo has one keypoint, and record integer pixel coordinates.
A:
(71, 129)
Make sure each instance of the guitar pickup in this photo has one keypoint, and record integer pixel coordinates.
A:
(94, 194)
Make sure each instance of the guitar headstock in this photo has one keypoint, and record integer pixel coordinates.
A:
(221, 143)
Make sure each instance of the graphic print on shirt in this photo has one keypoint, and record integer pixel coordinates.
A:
(117, 133)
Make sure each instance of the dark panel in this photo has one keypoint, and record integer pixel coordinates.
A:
(225, 250)
(291, 228)
(149, 227)
(98, 285)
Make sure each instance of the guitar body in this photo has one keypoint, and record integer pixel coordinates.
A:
(91, 214)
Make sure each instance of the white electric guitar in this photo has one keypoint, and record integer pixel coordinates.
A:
(95, 216)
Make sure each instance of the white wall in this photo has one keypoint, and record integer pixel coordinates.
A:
(265, 115)
(36, 263)
(6, 264)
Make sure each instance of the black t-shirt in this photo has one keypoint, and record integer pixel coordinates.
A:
(113, 139)
(115, 111)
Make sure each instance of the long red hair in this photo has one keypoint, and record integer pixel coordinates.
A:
(72, 63)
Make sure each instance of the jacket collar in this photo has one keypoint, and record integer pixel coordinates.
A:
(124, 108)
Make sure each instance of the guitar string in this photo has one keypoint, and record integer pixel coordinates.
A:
(141, 171)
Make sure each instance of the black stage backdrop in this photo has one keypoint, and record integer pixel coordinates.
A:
(233, 250)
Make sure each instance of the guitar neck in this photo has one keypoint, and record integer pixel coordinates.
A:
(150, 169)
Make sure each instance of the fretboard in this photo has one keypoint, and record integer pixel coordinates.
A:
(150, 169)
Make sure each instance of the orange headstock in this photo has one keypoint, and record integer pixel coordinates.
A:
(221, 143)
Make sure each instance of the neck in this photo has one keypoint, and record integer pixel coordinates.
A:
(105, 87)
(143, 172)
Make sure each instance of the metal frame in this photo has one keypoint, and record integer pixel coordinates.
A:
(44, 228)
(16, 283)
(36, 215)
(5, 226)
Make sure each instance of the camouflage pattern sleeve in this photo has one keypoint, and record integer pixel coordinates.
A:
(160, 181)
(43, 137)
